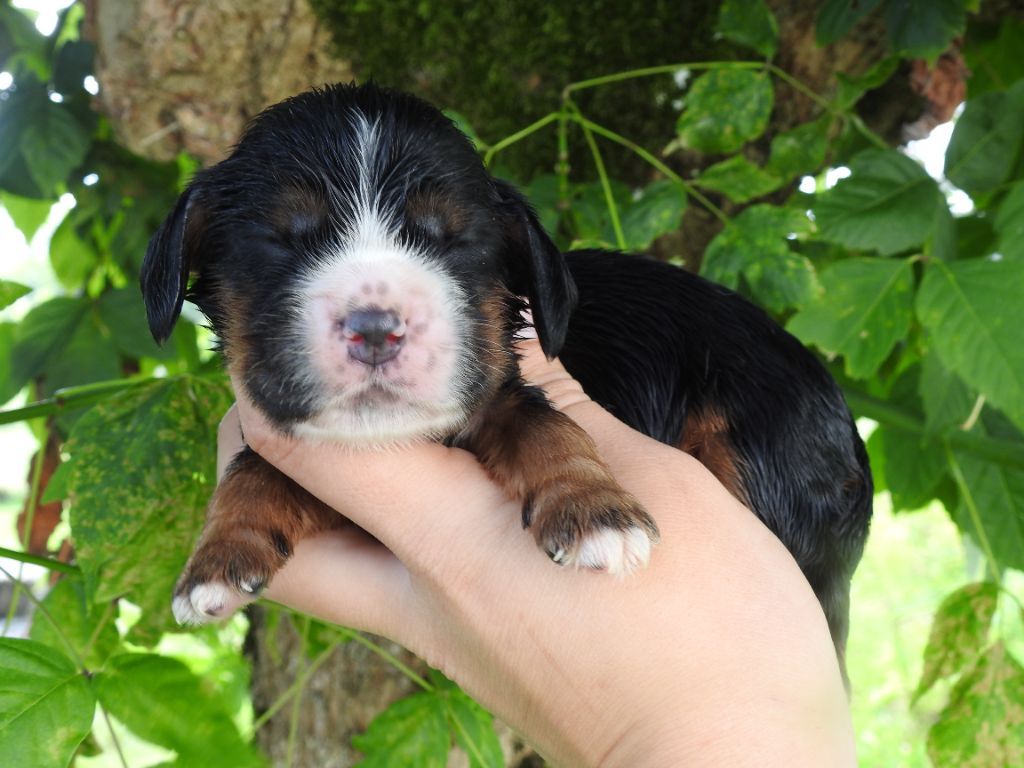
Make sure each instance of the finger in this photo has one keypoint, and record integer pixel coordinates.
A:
(550, 375)
(347, 578)
(229, 440)
(410, 497)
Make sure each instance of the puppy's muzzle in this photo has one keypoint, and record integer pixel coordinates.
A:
(373, 335)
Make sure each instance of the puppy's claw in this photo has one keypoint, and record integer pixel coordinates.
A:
(609, 531)
(557, 555)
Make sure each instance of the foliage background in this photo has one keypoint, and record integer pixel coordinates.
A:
(916, 307)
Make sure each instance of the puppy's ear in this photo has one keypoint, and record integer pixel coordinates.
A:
(537, 270)
(165, 270)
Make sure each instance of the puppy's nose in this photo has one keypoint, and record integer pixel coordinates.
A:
(374, 335)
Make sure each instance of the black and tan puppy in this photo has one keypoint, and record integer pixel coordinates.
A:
(361, 269)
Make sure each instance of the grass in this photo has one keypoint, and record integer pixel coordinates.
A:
(912, 561)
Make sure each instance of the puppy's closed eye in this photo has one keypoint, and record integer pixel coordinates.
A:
(431, 216)
(300, 214)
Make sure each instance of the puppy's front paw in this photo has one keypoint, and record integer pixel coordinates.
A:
(223, 576)
(601, 527)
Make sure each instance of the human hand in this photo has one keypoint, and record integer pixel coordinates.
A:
(717, 653)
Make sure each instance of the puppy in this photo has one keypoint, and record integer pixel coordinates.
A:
(361, 269)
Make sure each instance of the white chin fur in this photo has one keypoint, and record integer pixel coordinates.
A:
(381, 427)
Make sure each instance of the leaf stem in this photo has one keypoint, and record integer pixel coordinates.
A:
(796, 85)
(30, 514)
(45, 562)
(71, 398)
(389, 658)
(75, 657)
(297, 685)
(972, 510)
(602, 174)
(653, 161)
(519, 136)
(108, 613)
(293, 722)
(476, 754)
(663, 69)
(1008, 453)
(113, 736)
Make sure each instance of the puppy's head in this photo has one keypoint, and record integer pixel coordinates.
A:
(359, 266)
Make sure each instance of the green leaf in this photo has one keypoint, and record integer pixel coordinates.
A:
(959, 633)
(852, 88)
(8, 386)
(88, 356)
(74, 62)
(72, 259)
(724, 109)
(542, 192)
(997, 494)
(948, 401)
(800, 150)
(942, 241)
(924, 28)
(142, 467)
(1010, 223)
(89, 628)
(986, 141)
(738, 179)
(162, 701)
(411, 733)
(915, 462)
(473, 727)
(19, 111)
(994, 59)
(657, 211)
(983, 724)
(755, 247)
(749, 23)
(46, 705)
(973, 313)
(864, 311)
(21, 44)
(974, 235)
(11, 291)
(888, 203)
(837, 17)
(43, 334)
(55, 145)
(121, 311)
(589, 212)
(28, 214)
(318, 636)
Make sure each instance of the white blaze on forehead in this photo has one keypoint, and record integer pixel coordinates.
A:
(420, 393)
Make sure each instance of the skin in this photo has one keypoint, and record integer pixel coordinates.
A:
(716, 655)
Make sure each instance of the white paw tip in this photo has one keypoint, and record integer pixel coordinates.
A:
(205, 603)
(617, 552)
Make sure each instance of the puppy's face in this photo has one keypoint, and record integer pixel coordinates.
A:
(358, 264)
